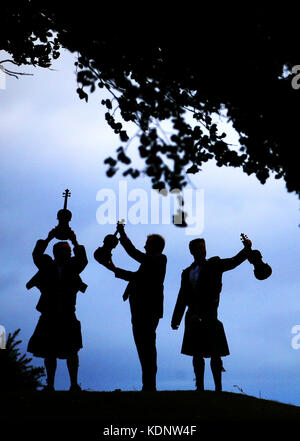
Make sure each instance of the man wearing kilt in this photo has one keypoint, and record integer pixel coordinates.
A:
(58, 332)
(201, 285)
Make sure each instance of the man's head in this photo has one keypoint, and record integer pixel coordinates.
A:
(155, 244)
(62, 252)
(198, 248)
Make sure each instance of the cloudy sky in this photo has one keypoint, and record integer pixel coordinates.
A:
(50, 141)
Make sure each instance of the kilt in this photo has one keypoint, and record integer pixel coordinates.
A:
(56, 335)
(204, 336)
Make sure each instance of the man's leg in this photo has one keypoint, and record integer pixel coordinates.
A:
(50, 365)
(144, 333)
(199, 367)
(217, 368)
(73, 364)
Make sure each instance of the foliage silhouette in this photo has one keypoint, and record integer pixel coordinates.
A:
(226, 61)
(15, 371)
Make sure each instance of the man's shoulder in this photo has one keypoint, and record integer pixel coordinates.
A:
(187, 269)
(214, 260)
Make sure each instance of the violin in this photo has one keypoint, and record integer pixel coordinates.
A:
(62, 230)
(261, 270)
(104, 254)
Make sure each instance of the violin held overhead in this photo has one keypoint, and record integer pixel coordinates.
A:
(261, 269)
(63, 230)
(103, 254)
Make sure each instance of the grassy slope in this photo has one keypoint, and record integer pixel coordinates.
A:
(95, 410)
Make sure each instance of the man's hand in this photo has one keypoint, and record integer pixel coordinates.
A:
(51, 235)
(72, 238)
(121, 228)
(246, 242)
(174, 326)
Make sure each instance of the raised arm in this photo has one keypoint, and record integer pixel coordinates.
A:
(124, 274)
(80, 258)
(233, 262)
(40, 249)
(128, 245)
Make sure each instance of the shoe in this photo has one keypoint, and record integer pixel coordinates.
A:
(75, 388)
(199, 389)
(199, 384)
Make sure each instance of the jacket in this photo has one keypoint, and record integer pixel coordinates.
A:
(58, 291)
(203, 301)
(145, 289)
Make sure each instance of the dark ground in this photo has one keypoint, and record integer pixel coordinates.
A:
(63, 415)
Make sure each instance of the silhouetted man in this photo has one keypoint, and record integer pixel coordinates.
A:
(204, 335)
(145, 293)
(58, 332)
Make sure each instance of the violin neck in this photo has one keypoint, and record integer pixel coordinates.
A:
(66, 195)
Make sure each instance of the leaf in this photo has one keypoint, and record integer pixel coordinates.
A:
(111, 172)
(123, 158)
(193, 169)
(110, 161)
(123, 136)
(82, 94)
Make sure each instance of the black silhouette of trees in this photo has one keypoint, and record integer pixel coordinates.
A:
(16, 373)
(183, 67)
